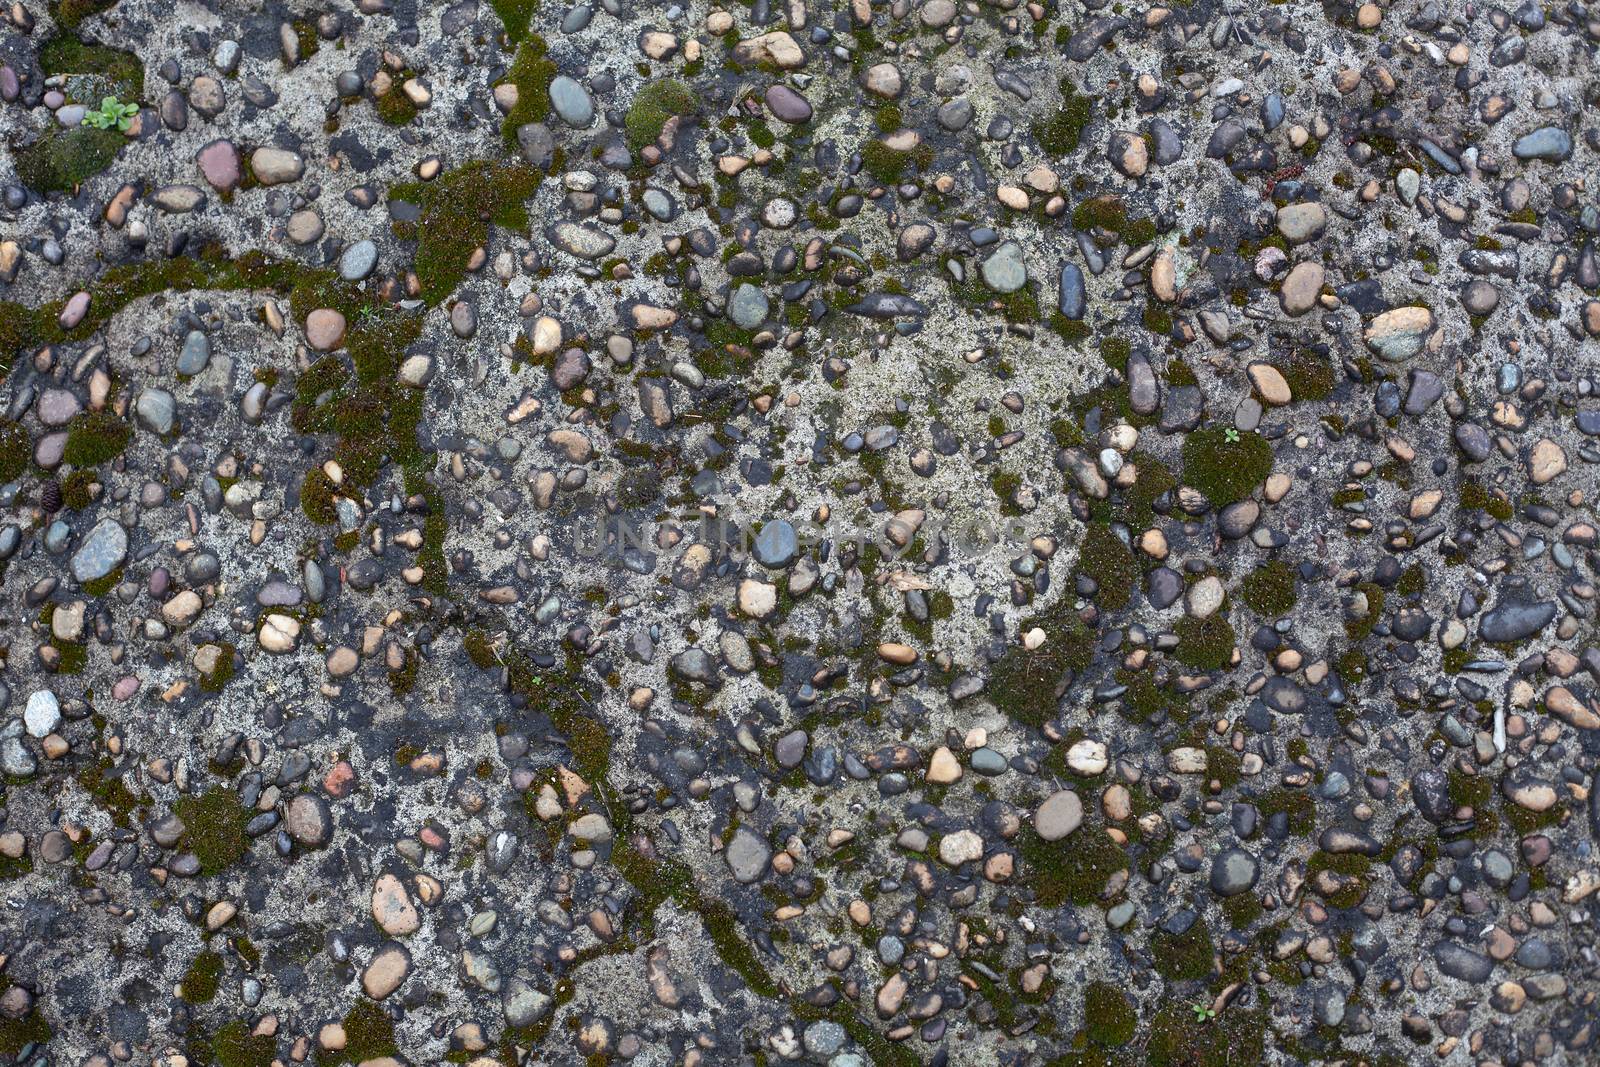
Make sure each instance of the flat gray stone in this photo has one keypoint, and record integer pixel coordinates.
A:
(102, 552)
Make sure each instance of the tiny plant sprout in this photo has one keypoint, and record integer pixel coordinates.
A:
(1232, 435)
(111, 114)
(1203, 1013)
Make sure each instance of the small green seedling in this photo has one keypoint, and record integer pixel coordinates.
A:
(1203, 1013)
(112, 114)
(1232, 435)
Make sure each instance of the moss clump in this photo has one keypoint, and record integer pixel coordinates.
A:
(886, 165)
(1204, 644)
(1027, 685)
(203, 978)
(1474, 497)
(1110, 563)
(214, 828)
(1294, 804)
(1183, 957)
(1353, 869)
(653, 106)
(64, 158)
(95, 437)
(1225, 470)
(222, 673)
(1105, 212)
(18, 1034)
(368, 1033)
(394, 107)
(1269, 589)
(236, 1045)
(1073, 869)
(317, 494)
(68, 55)
(16, 450)
(1177, 1039)
(1310, 376)
(1109, 1017)
(515, 15)
(70, 13)
(1060, 133)
(1115, 350)
(531, 72)
(1358, 629)
(456, 212)
(77, 490)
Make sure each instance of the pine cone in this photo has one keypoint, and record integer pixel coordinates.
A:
(50, 497)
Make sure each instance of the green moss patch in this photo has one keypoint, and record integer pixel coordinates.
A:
(62, 159)
(1225, 466)
(531, 72)
(515, 15)
(653, 106)
(1205, 644)
(1027, 685)
(203, 978)
(70, 13)
(887, 165)
(1269, 589)
(456, 212)
(317, 494)
(95, 437)
(1073, 869)
(18, 1034)
(1061, 131)
(1310, 376)
(236, 1045)
(1109, 1017)
(1183, 957)
(1111, 564)
(394, 107)
(16, 450)
(214, 828)
(124, 71)
(368, 1033)
(1178, 1039)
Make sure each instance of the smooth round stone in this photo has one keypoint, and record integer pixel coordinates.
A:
(1408, 183)
(660, 204)
(101, 552)
(43, 713)
(748, 307)
(1233, 871)
(195, 354)
(57, 407)
(308, 820)
(1399, 334)
(1549, 143)
(1058, 816)
(72, 313)
(777, 545)
(1480, 297)
(779, 213)
(219, 165)
(986, 761)
(1004, 271)
(358, 261)
(275, 166)
(1071, 293)
(788, 105)
(157, 410)
(572, 102)
(324, 329)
